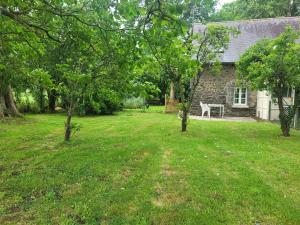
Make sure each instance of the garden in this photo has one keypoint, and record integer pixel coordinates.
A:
(137, 167)
(96, 106)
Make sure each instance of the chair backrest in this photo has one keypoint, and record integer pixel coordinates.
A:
(204, 106)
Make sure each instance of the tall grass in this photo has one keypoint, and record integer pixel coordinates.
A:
(134, 103)
(26, 103)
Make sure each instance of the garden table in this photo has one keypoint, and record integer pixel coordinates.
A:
(220, 106)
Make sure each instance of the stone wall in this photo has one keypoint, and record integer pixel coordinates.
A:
(219, 89)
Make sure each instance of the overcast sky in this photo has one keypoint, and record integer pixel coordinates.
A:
(222, 2)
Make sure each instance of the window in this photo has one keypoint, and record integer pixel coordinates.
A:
(287, 93)
(240, 96)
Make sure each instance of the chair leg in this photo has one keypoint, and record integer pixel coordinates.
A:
(208, 112)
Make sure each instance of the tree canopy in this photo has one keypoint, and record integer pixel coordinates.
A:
(50, 47)
(274, 65)
(255, 9)
(181, 53)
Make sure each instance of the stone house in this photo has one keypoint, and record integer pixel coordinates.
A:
(222, 89)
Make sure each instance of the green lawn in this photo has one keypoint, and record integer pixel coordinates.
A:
(138, 168)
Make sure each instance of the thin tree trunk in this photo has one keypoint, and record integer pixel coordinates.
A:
(284, 122)
(52, 99)
(184, 119)
(68, 125)
(185, 108)
(10, 103)
(2, 106)
(172, 91)
(289, 9)
(292, 8)
(42, 101)
(3, 109)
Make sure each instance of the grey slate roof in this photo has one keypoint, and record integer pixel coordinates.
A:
(250, 32)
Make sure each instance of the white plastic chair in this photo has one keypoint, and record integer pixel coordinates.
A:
(205, 108)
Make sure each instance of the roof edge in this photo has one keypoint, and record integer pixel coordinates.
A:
(249, 20)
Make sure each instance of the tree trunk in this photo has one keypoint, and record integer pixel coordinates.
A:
(292, 8)
(42, 101)
(68, 128)
(186, 103)
(2, 106)
(285, 130)
(68, 125)
(185, 108)
(52, 99)
(284, 122)
(184, 120)
(10, 103)
(172, 91)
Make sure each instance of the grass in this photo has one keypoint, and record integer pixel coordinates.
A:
(138, 168)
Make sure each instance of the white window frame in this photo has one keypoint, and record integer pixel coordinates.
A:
(240, 97)
(289, 92)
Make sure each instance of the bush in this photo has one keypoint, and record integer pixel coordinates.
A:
(27, 104)
(28, 107)
(103, 102)
(134, 103)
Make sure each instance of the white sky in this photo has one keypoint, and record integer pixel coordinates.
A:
(222, 2)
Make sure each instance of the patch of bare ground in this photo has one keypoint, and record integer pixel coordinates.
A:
(120, 145)
(50, 140)
(9, 219)
(56, 132)
(72, 189)
(16, 218)
(132, 208)
(165, 197)
(22, 147)
(167, 171)
(166, 194)
(141, 156)
(18, 121)
(131, 167)
(127, 172)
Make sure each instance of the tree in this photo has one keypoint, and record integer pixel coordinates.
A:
(44, 28)
(147, 81)
(14, 57)
(148, 13)
(25, 25)
(80, 51)
(93, 63)
(73, 86)
(186, 59)
(255, 9)
(40, 81)
(182, 54)
(274, 65)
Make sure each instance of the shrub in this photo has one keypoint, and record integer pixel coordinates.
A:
(134, 103)
(27, 103)
(28, 107)
(102, 102)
